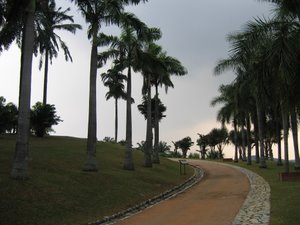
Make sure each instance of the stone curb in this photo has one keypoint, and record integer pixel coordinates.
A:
(198, 175)
(257, 206)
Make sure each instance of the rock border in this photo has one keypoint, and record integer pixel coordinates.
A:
(198, 175)
(257, 206)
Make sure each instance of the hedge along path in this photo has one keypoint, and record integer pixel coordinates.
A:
(215, 200)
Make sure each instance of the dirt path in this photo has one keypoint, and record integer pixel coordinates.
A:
(214, 201)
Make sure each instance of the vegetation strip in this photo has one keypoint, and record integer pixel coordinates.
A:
(198, 175)
(256, 208)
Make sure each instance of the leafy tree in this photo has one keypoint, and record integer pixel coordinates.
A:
(218, 138)
(163, 147)
(203, 142)
(43, 117)
(185, 144)
(8, 116)
(47, 40)
(143, 108)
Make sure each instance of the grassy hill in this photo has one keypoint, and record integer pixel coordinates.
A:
(60, 193)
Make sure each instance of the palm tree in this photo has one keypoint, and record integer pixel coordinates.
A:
(48, 41)
(185, 144)
(227, 113)
(96, 13)
(144, 110)
(18, 19)
(128, 48)
(113, 79)
(171, 66)
(287, 6)
(247, 59)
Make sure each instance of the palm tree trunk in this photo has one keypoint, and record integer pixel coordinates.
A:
(20, 163)
(235, 141)
(116, 120)
(128, 159)
(285, 139)
(278, 134)
(248, 127)
(156, 129)
(148, 145)
(243, 143)
(262, 163)
(45, 78)
(255, 126)
(295, 138)
(91, 163)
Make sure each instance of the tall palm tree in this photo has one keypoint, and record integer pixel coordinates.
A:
(113, 79)
(128, 48)
(48, 41)
(171, 66)
(282, 55)
(96, 13)
(157, 71)
(17, 20)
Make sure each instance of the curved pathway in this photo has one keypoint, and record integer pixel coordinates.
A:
(215, 200)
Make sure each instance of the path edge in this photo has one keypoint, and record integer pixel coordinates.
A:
(256, 208)
(197, 177)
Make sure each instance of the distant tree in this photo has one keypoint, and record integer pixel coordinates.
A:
(141, 145)
(218, 138)
(108, 139)
(176, 146)
(122, 142)
(194, 156)
(163, 146)
(43, 117)
(12, 118)
(185, 144)
(8, 116)
(113, 79)
(202, 142)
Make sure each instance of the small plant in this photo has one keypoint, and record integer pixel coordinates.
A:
(122, 142)
(109, 139)
(194, 156)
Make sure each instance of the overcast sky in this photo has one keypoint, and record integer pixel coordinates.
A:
(194, 31)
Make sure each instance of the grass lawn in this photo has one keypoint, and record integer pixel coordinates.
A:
(285, 196)
(60, 193)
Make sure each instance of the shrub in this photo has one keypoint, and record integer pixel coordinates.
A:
(43, 117)
(194, 156)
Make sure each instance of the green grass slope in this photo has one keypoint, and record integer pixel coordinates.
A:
(285, 196)
(60, 193)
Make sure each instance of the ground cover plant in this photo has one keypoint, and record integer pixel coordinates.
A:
(285, 196)
(59, 192)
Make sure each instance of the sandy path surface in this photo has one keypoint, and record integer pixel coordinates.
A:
(214, 201)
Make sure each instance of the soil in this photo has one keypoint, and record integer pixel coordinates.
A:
(215, 200)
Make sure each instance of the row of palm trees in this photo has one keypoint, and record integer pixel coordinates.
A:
(135, 50)
(265, 59)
